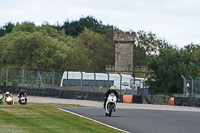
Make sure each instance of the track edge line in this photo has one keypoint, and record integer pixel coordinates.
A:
(94, 120)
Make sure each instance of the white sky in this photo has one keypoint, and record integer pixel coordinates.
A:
(176, 21)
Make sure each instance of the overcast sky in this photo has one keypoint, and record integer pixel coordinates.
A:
(176, 21)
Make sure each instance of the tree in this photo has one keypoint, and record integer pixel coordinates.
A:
(46, 47)
(150, 42)
(6, 29)
(28, 46)
(74, 28)
(25, 27)
(168, 67)
(147, 44)
(97, 49)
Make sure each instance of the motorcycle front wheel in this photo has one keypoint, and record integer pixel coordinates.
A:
(110, 110)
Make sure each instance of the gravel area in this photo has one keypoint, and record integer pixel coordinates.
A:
(97, 104)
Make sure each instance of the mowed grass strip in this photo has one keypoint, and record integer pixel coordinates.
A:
(45, 118)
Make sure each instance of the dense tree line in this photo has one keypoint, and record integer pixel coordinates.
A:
(168, 67)
(87, 45)
(166, 63)
(84, 45)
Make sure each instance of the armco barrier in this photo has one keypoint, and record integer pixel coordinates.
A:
(49, 92)
(137, 99)
(11, 89)
(96, 96)
(66, 94)
(184, 101)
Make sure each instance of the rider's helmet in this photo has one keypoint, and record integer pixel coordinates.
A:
(112, 88)
(7, 93)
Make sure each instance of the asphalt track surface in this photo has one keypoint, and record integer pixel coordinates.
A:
(135, 118)
(145, 121)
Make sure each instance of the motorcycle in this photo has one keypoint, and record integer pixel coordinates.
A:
(1, 99)
(22, 100)
(9, 100)
(110, 104)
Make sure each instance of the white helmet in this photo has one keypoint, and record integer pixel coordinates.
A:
(7, 93)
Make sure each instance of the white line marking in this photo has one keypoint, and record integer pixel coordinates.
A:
(93, 120)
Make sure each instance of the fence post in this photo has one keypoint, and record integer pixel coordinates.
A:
(108, 79)
(184, 82)
(192, 85)
(37, 76)
(22, 76)
(199, 85)
(6, 75)
(94, 80)
(66, 79)
(120, 84)
(81, 79)
(133, 75)
(53, 77)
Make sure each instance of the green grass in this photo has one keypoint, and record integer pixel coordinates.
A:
(45, 118)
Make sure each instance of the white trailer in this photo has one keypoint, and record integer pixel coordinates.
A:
(100, 79)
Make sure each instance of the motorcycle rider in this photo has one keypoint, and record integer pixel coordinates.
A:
(8, 94)
(111, 90)
(22, 93)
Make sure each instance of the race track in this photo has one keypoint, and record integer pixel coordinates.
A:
(145, 121)
(135, 118)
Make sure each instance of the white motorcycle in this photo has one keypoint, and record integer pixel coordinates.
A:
(22, 100)
(110, 104)
(1, 99)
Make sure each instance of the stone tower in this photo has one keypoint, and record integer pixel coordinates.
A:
(123, 53)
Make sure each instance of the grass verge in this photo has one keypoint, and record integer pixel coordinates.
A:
(45, 118)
